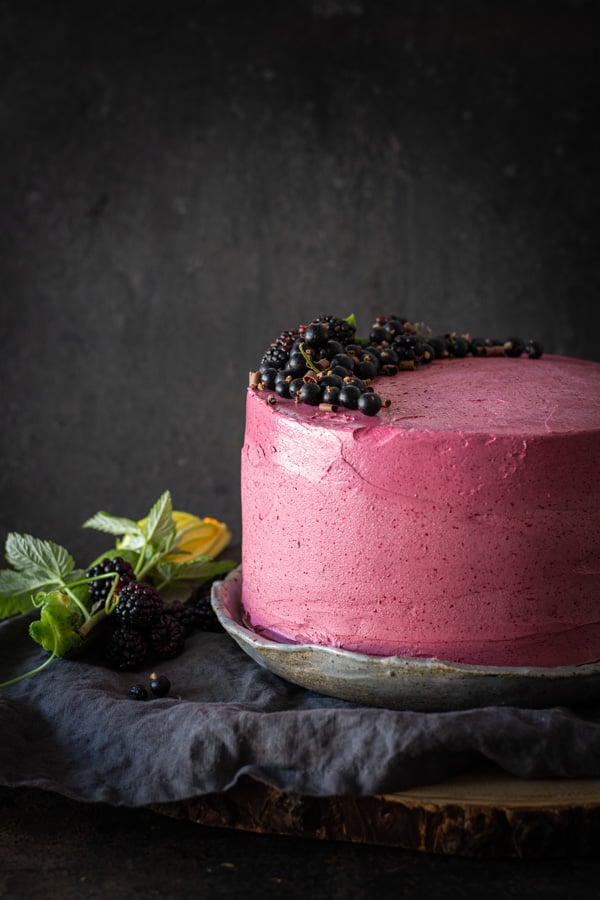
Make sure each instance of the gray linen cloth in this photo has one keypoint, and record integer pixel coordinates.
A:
(73, 729)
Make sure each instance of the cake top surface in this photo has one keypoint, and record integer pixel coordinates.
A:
(503, 395)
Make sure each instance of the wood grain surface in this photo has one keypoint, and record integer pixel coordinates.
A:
(485, 814)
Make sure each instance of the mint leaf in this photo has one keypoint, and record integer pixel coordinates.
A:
(55, 629)
(42, 558)
(110, 524)
(160, 525)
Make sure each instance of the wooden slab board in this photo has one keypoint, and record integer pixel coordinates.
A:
(486, 814)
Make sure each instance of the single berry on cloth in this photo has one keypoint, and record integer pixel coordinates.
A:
(159, 685)
(138, 692)
(139, 605)
(100, 589)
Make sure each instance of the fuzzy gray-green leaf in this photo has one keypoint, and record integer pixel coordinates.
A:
(110, 524)
(35, 556)
(160, 525)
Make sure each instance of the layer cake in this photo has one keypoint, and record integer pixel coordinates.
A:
(461, 522)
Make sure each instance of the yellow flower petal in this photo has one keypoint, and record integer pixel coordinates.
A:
(198, 537)
(195, 537)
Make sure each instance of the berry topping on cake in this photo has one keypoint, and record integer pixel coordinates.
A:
(325, 363)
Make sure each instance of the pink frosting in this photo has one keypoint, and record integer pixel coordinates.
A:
(461, 523)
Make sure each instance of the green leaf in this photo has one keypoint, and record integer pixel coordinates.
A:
(160, 525)
(44, 558)
(126, 553)
(56, 628)
(198, 570)
(42, 564)
(110, 524)
(16, 592)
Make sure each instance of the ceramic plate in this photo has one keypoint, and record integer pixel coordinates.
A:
(401, 682)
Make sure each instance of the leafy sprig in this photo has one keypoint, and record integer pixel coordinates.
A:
(43, 575)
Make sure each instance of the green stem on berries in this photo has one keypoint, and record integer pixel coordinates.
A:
(139, 570)
(77, 602)
(308, 360)
(92, 622)
(31, 672)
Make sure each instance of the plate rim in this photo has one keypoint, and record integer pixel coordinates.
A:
(237, 626)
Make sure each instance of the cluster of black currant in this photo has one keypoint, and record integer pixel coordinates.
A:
(159, 687)
(143, 628)
(325, 364)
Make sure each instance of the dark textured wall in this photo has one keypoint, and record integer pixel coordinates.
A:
(180, 181)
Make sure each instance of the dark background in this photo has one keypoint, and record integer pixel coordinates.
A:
(181, 181)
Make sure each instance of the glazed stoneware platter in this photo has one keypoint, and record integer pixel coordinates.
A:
(401, 682)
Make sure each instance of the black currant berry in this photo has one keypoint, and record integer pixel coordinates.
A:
(514, 347)
(316, 335)
(282, 389)
(138, 692)
(349, 395)
(294, 386)
(310, 393)
(159, 685)
(534, 349)
(331, 394)
(297, 364)
(369, 403)
(365, 370)
(342, 359)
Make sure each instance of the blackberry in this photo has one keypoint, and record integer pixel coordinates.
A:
(167, 637)
(280, 349)
(126, 649)
(139, 605)
(339, 329)
(205, 616)
(184, 613)
(99, 590)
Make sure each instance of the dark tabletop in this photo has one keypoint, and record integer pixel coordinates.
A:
(56, 848)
